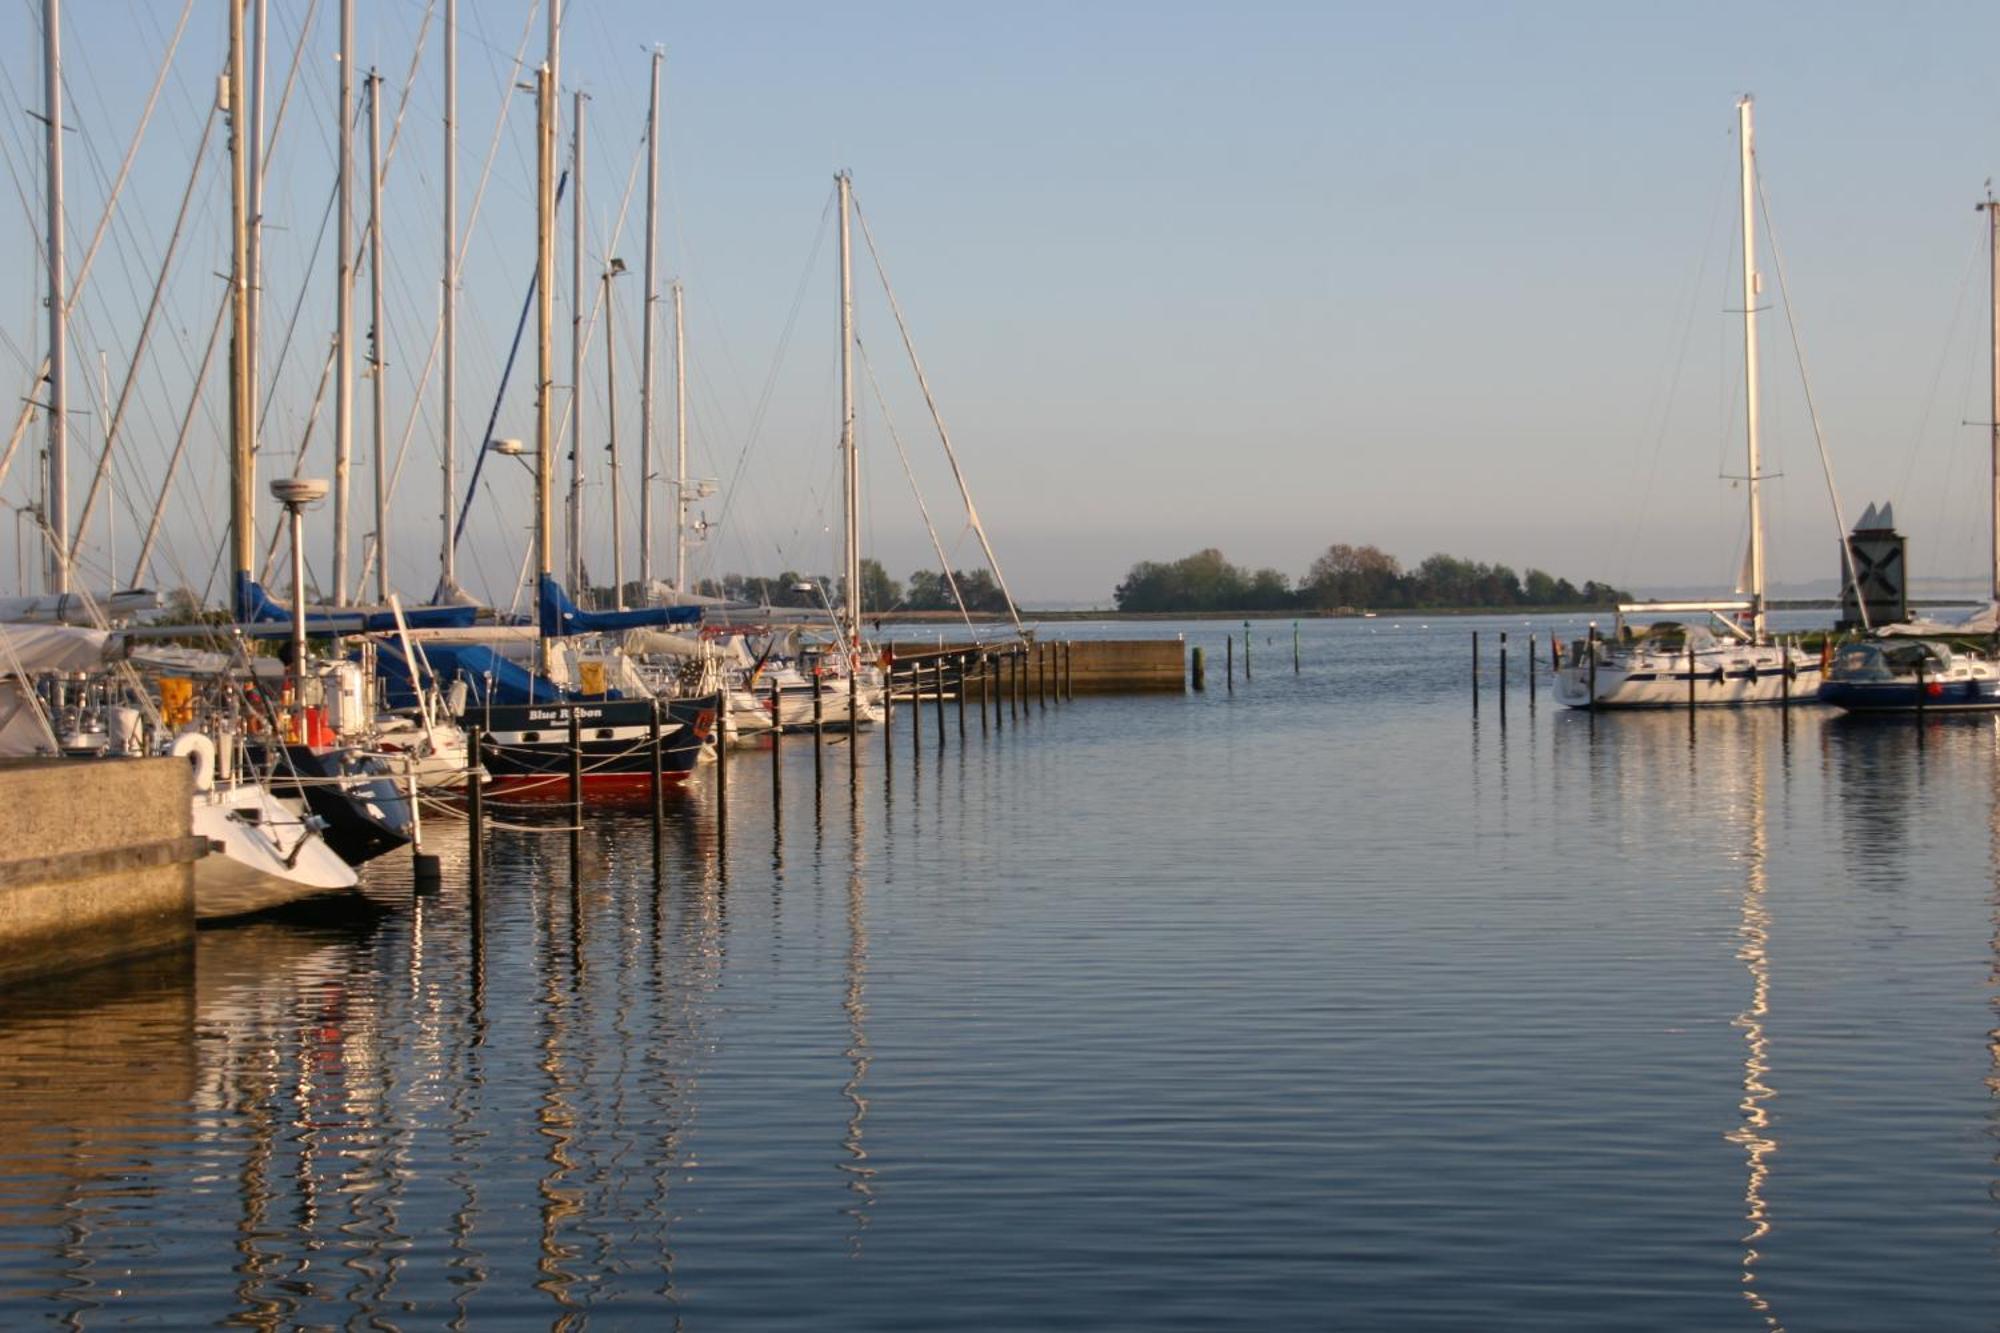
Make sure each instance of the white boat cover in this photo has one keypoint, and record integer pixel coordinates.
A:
(1979, 620)
(78, 608)
(39, 647)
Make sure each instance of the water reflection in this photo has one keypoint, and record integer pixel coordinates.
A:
(854, 1001)
(1755, 1134)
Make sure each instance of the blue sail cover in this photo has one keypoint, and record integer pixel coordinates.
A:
(254, 606)
(489, 677)
(557, 615)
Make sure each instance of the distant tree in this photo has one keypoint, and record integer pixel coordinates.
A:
(930, 591)
(879, 592)
(1358, 576)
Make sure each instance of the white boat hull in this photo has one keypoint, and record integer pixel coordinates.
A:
(1721, 680)
(262, 855)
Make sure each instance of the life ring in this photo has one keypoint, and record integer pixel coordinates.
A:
(199, 751)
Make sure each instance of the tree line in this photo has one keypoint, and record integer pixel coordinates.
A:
(927, 590)
(1347, 578)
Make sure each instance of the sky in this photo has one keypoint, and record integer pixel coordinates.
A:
(1262, 277)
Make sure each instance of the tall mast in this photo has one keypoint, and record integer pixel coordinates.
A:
(850, 527)
(343, 334)
(448, 433)
(242, 513)
(254, 239)
(680, 445)
(1993, 269)
(1747, 150)
(545, 314)
(55, 515)
(575, 564)
(611, 432)
(377, 365)
(646, 376)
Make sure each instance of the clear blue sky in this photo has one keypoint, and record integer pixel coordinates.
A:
(1262, 277)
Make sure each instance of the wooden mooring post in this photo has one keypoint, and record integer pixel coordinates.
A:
(1246, 652)
(937, 688)
(1198, 671)
(853, 720)
(721, 734)
(1069, 670)
(575, 796)
(653, 783)
(1295, 647)
(916, 709)
(475, 812)
(1229, 660)
(961, 698)
(1690, 675)
(1475, 673)
(993, 674)
(1501, 684)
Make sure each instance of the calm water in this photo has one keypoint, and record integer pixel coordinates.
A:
(1314, 1004)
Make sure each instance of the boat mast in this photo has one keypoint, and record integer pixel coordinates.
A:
(545, 313)
(612, 270)
(575, 565)
(448, 426)
(1993, 267)
(55, 515)
(680, 445)
(254, 240)
(851, 553)
(646, 303)
(1747, 152)
(242, 512)
(376, 365)
(343, 334)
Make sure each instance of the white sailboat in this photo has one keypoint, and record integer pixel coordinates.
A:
(1728, 658)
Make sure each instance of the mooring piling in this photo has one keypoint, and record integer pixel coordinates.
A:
(1501, 685)
(1198, 671)
(1229, 660)
(475, 811)
(937, 687)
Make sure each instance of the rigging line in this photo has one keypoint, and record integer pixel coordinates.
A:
(937, 418)
(500, 391)
(757, 417)
(895, 437)
(139, 345)
(180, 447)
(1663, 406)
(1812, 408)
(1951, 335)
(103, 223)
(597, 297)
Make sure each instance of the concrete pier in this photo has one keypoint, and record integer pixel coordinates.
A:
(97, 864)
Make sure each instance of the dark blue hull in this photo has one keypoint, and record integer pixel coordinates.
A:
(1906, 696)
(525, 748)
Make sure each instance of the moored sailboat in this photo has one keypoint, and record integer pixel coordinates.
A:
(1731, 659)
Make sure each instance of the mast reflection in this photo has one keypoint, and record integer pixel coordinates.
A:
(1754, 1135)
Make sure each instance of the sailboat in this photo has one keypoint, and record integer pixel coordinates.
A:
(1726, 657)
(1916, 667)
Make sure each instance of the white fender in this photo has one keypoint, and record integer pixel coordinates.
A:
(199, 750)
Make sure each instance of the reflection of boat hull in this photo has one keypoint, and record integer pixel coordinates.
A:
(525, 748)
(262, 855)
(1906, 696)
(1731, 681)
